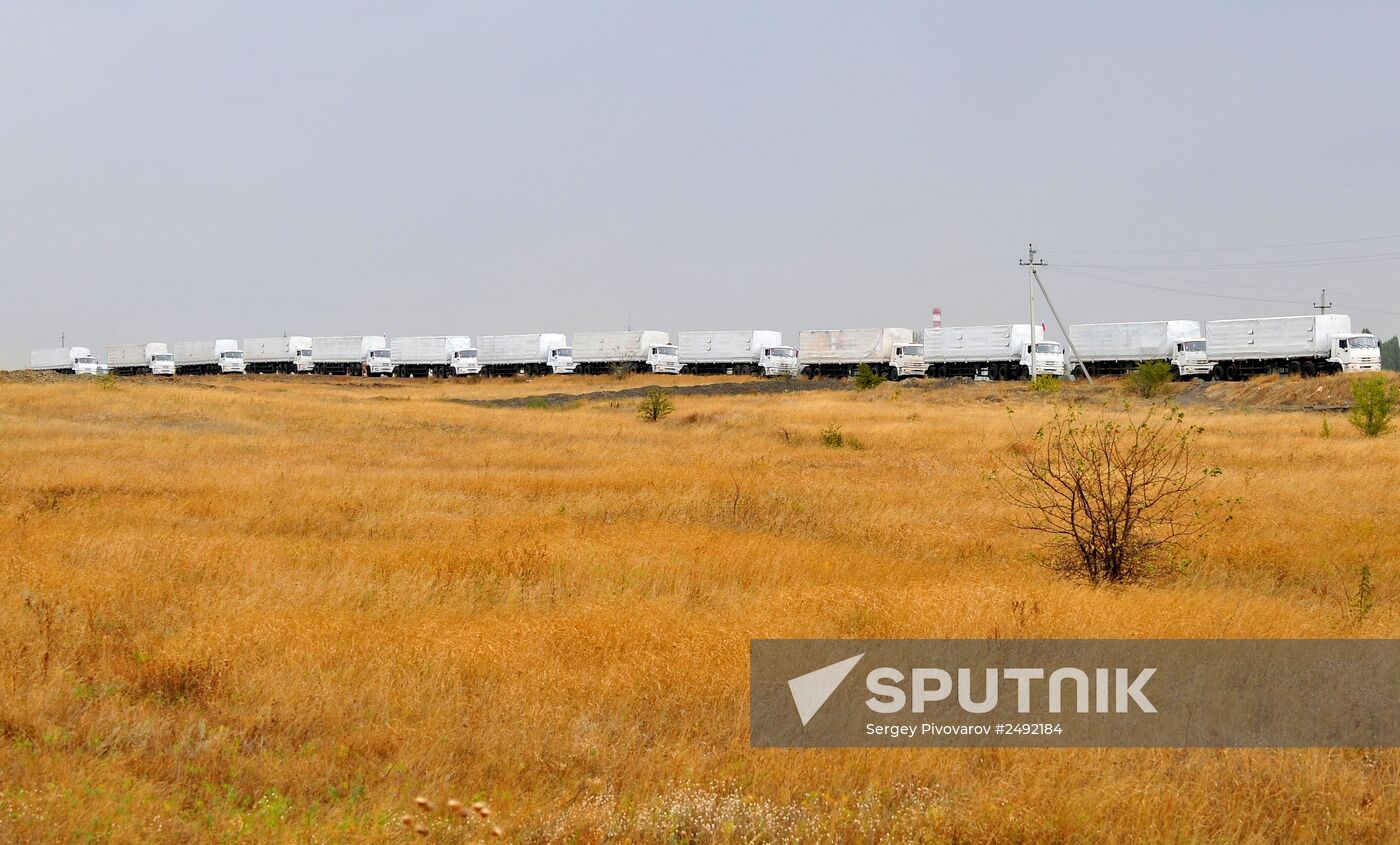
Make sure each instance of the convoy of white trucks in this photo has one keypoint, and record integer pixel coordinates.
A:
(437, 355)
(1114, 349)
(629, 351)
(277, 354)
(525, 354)
(207, 357)
(737, 352)
(1219, 349)
(997, 353)
(1318, 343)
(351, 355)
(136, 359)
(74, 360)
(892, 353)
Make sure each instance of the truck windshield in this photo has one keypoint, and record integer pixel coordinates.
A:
(1193, 346)
(304, 353)
(464, 353)
(911, 350)
(562, 352)
(379, 353)
(234, 354)
(782, 352)
(84, 360)
(1047, 348)
(666, 350)
(163, 357)
(1364, 341)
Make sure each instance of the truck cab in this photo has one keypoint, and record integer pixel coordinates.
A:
(231, 361)
(84, 364)
(664, 359)
(301, 360)
(464, 362)
(1049, 359)
(1190, 359)
(1356, 353)
(161, 363)
(778, 361)
(378, 363)
(908, 361)
(561, 360)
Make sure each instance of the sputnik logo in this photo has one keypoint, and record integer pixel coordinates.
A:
(810, 691)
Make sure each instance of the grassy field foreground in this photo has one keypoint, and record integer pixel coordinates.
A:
(278, 609)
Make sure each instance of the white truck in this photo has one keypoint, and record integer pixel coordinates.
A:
(436, 355)
(74, 360)
(601, 352)
(277, 354)
(995, 352)
(527, 354)
(1317, 343)
(131, 359)
(208, 357)
(892, 353)
(1115, 349)
(353, 355)
(743, 353)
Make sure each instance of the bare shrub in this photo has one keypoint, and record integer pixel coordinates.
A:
(1116, 494)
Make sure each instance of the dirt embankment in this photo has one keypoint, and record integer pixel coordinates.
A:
(1281, 393)
(1292, 393)
(722, 388)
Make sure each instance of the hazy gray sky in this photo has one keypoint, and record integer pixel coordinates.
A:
(179, 171)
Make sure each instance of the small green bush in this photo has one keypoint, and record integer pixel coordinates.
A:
(1373, 404)
(1150, 378)
(866, 378)
(832, 438)
(1044, 384)
(656, 406)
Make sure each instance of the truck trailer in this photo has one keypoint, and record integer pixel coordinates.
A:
(525, 354)
(132, 359)
(351, 355)
(277, 354)
(436, 355)
(1115, 349)
(208, 357)
(892, 353)
(1309, 345)
(643, 351)
(737, 352)
(995, 352)
(74, 360)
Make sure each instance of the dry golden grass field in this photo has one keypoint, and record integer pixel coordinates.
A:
(277, 609)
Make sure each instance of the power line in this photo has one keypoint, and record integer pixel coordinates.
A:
(1300, 303)
(1217, 248)
(1081, 274)
(1251, 265)
(1219, 284)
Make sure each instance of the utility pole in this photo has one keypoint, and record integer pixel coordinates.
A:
(1031, 262)
(1322, 304)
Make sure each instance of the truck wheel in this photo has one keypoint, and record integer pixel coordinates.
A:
(1308, 369)
(1232, 372)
